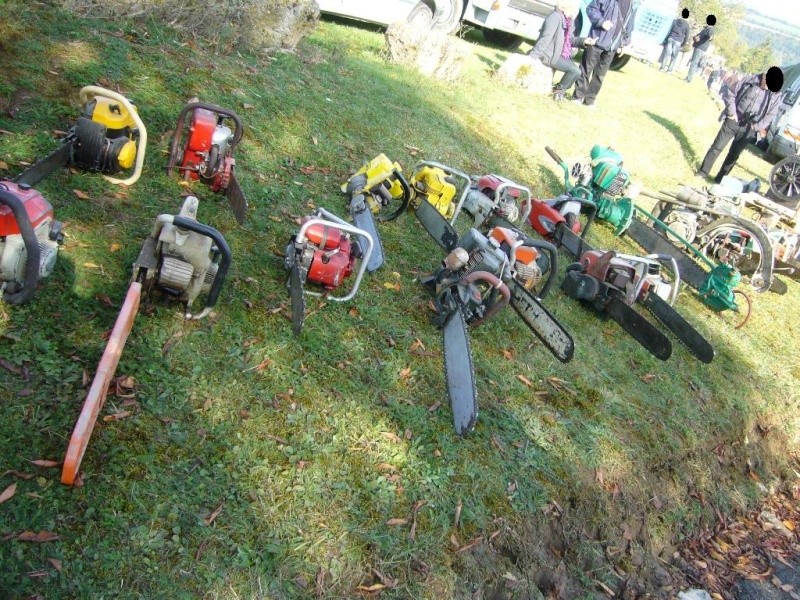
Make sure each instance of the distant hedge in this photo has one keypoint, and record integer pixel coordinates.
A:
(251, 24)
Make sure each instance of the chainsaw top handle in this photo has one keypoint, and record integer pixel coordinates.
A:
(86, 95)
(31, 248)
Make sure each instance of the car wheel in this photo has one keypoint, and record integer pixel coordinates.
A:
(620, 60)
(509, 41)
(421, 15)
(449, 18)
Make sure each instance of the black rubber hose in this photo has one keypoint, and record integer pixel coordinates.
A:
(31, 248)
(552, 253)
(225, 261)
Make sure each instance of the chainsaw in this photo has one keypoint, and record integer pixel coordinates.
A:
(479, 277)
(376, 191)
(109, 137)
(204, 149)
(181, 259)
(557, 221)
(323, 253)
(29, 241)
(613, 282)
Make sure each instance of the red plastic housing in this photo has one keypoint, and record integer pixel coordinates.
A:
(492, 182)
(330, 268)
(36, 206)
(201, 131)
(325, 237)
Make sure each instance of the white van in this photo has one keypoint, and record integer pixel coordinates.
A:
(783, 134)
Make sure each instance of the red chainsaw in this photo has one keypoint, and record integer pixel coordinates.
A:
(203, 150)
(29, 241)
(324, 254)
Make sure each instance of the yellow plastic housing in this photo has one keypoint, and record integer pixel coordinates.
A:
(377, 171)
(431, 183)
(112, 114)
(127, 156)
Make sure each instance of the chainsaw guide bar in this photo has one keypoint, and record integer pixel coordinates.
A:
(459, 373)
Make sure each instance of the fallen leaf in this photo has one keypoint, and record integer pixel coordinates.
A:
(3, 165)
(114, 247)
(9, 367)
(314, 140)
(55, 562)
(389, 582)
(391, 436)
(458, 514)
(392, 286)
(42, 536)
(385, 467)
(371, 588)
(789, 525)
(81, 195)
(648, 378)
(353, 312)
(433, 407)
(25, 476)
(117, 416)
(397, 521)
(405, 373)
(525, 380)
(247, 106)
(412, 150)
(45, 463)
(470, 544)
(8, 493)
(508, 354)
(39, 573)
(25, 393)
(104, 300)
(212, 517)
(91, 265)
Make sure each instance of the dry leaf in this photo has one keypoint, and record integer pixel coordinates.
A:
(458, 513)
(397, 521)
(405, 373)
(648, 378)
(9, 367)
(8, 493)
(81, 195)
(104, 300)
(117, 416)
(508, 354)
(45, 463)
(391, 436)
(525, 380)
(392, 286)
(247, 106)
(434, 406)
(3, 165)
(55, 562)
(412, 150)
(353, 312)
(417, 345)
(212, 517)
(385, 467)
(25, 476)
(371, 588)
(91, 265)
(470, 544)
(314, 140)
(25, 393)
(114, 247)
(42, 536)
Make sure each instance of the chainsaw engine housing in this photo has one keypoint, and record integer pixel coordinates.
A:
(208, 147)
(104, 137)
(437, 187)
(607, 172)
(13, 252)
(179, 262)
(326, 257)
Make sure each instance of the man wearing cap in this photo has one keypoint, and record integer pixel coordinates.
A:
(750, 105)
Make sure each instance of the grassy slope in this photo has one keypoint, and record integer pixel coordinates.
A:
(632, 466)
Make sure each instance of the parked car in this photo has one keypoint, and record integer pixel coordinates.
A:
(783, 134)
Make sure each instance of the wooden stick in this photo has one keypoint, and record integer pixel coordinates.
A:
(97, 393)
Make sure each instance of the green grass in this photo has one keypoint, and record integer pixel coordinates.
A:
(560, 476)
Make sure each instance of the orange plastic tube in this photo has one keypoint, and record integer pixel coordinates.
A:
(97, 393)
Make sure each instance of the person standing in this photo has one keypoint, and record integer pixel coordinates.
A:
(555, 43)
(750, 105)
(678, 36)
(700, 44)
(612, 24)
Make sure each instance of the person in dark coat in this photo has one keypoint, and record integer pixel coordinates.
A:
(555, 43)
(750, 106)
(612, 25)
(700, 43)
(678, 36)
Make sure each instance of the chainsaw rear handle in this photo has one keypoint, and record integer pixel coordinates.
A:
(216, 237)
(31, 248)
(238, 131)
(450, 171)
(324, 217)
(494, 281)
(92, 90)
(673, 264)
(553, 154)
(552, 254)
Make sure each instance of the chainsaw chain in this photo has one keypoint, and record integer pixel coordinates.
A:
(679, 340)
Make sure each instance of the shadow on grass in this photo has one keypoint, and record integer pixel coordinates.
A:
(318, 458)
(677, 132)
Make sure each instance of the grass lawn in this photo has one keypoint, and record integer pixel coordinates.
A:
(331, 469)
